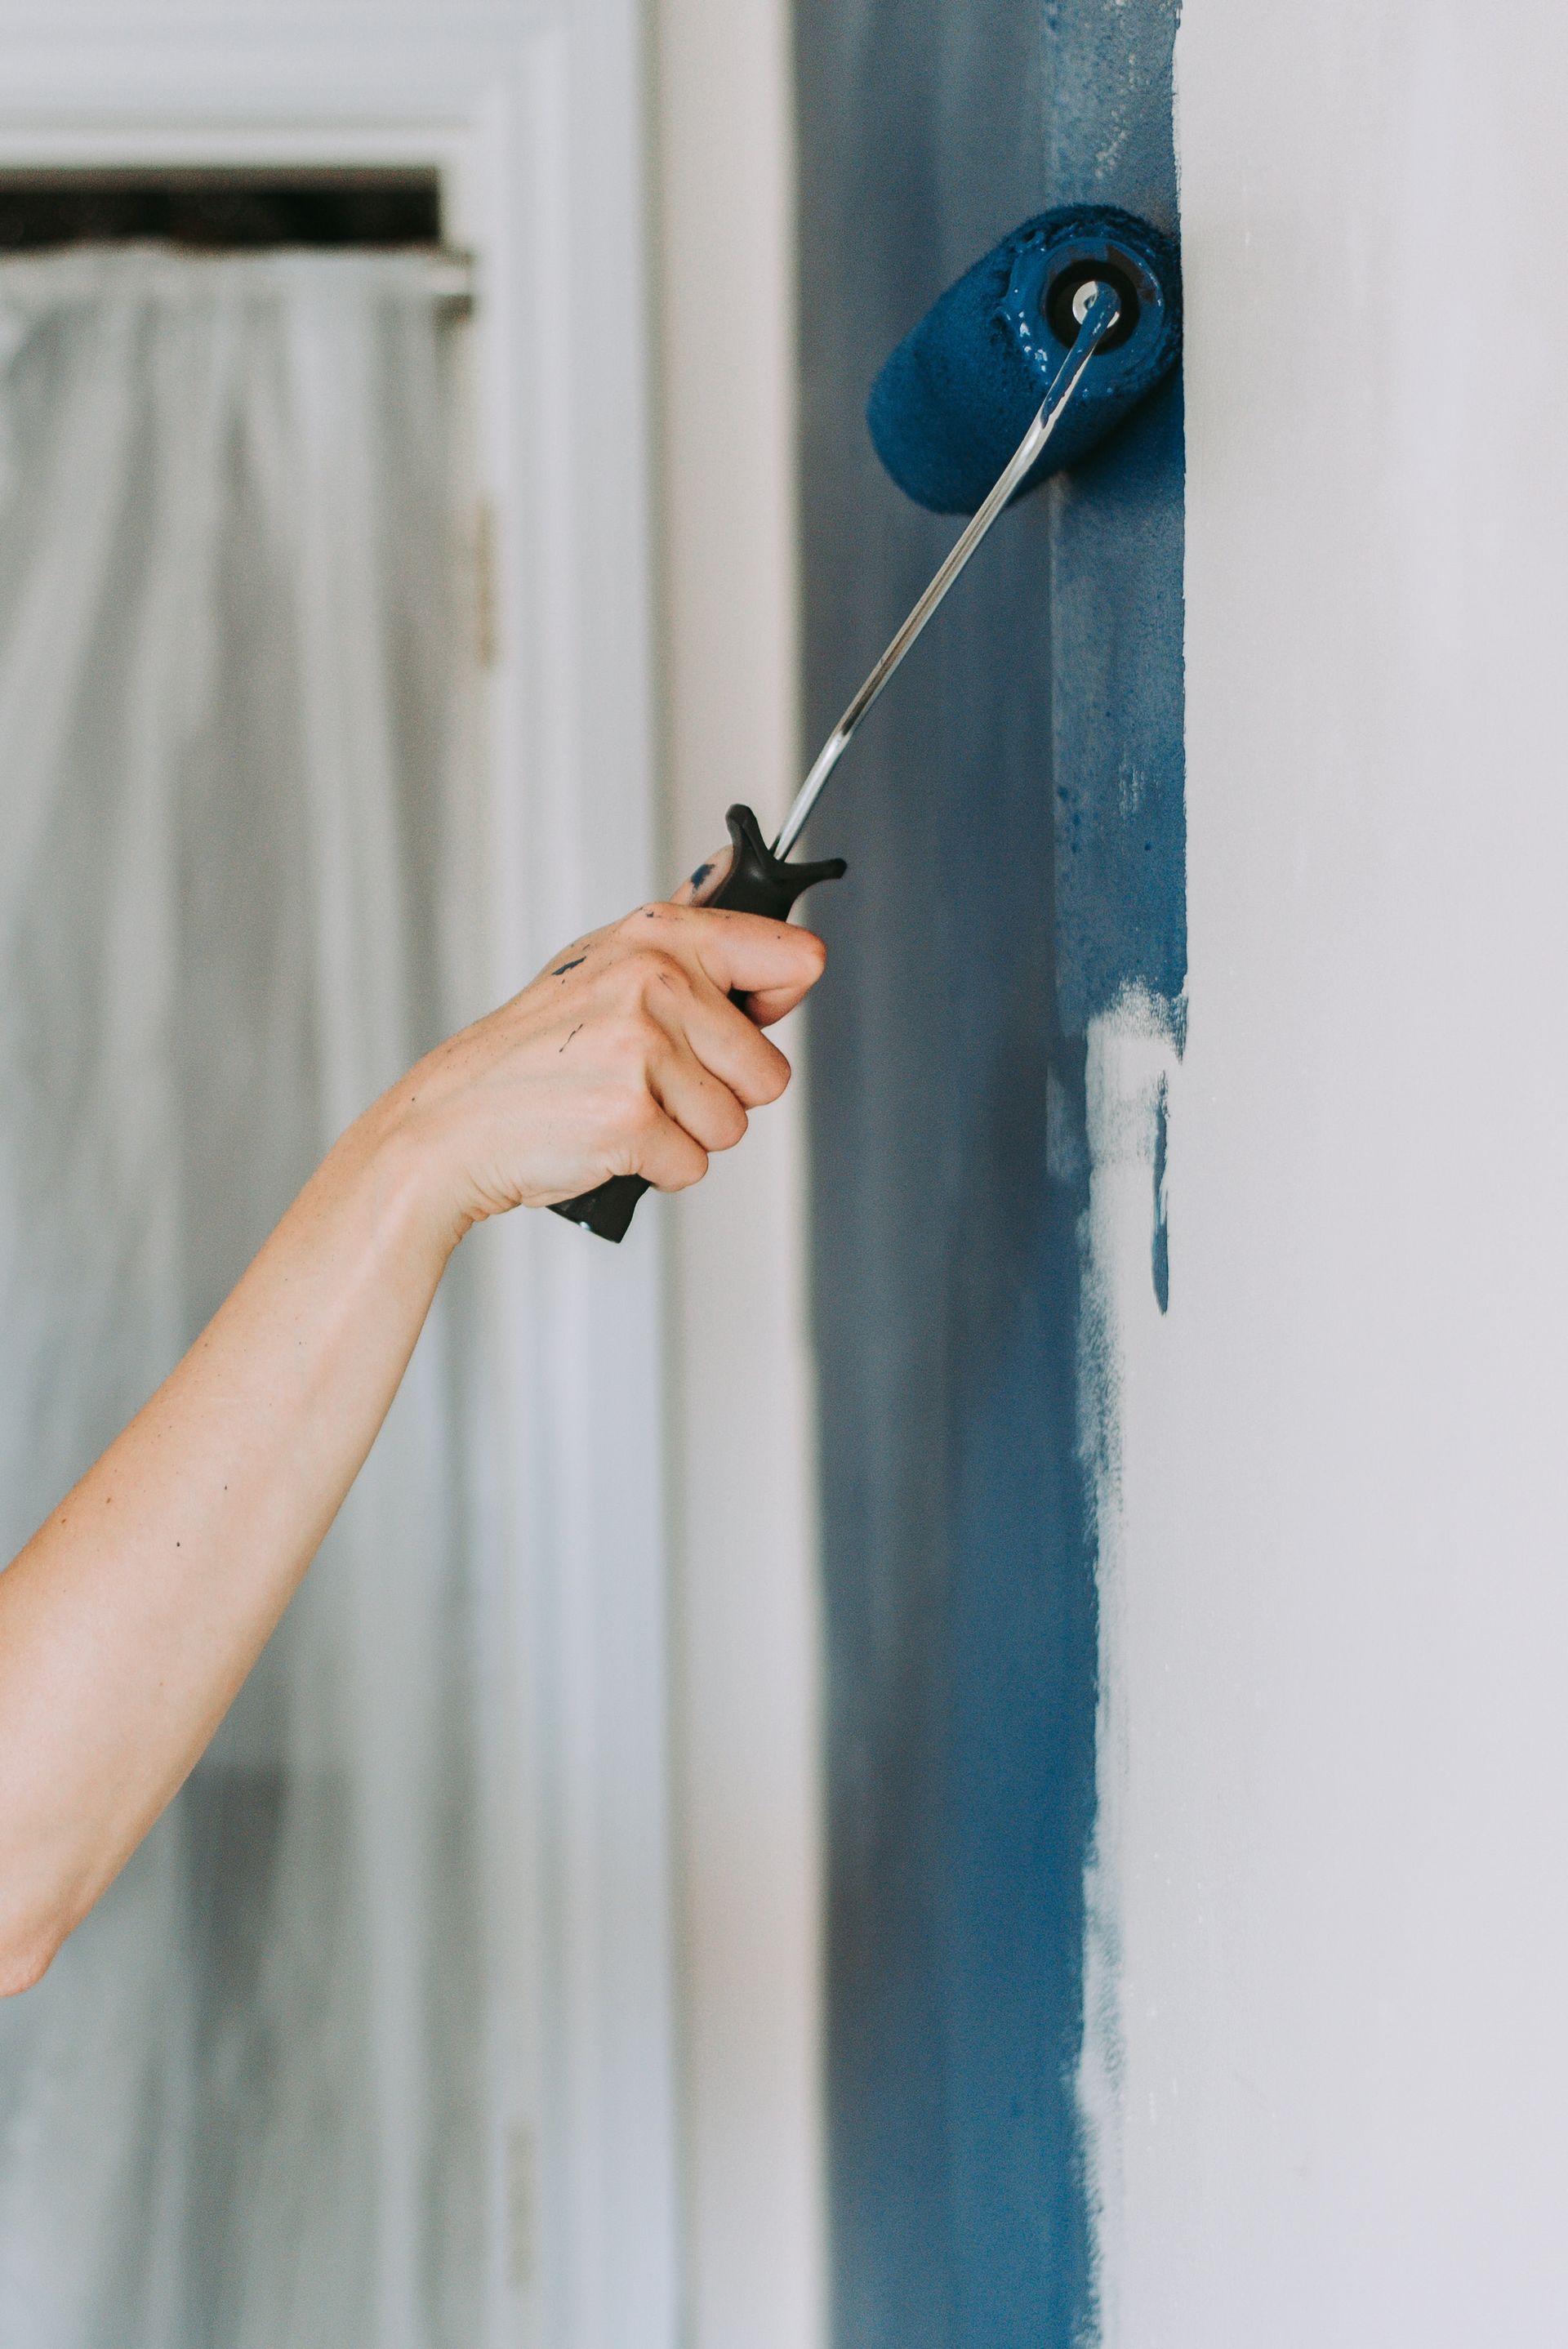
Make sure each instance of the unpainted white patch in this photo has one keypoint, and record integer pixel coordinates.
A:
(1134, 1054)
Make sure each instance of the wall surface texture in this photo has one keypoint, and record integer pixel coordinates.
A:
(1012, 816)
(1339, 1637)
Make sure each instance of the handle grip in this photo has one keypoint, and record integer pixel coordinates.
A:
(758, 881)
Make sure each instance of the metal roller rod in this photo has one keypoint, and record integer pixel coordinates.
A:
(1097, 310)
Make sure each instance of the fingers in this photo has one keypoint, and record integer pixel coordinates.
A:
(773, 962)
(701, 1104)
(668, 1156)
(674, 1111)
(766, 1005)
(710, 877)
(718, 1036)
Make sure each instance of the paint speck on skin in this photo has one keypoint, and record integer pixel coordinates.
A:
(563, 967)
(700, 875)
(576, 1032)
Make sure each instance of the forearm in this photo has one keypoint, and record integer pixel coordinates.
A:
(128, 1622)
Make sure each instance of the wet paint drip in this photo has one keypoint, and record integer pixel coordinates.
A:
(1160, 1246)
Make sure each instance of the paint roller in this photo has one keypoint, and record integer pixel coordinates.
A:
(1017, 371)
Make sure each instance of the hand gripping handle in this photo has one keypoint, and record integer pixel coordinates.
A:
(758, 881)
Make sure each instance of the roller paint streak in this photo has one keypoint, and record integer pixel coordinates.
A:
(1016, 833)
(1118, 707)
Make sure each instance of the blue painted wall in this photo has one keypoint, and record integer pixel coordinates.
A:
(1013, 818)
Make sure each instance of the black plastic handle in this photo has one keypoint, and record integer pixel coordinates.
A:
(758, 881)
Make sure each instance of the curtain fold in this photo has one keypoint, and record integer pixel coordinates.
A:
(246, 2109)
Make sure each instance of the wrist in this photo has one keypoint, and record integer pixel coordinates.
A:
(392, 1156)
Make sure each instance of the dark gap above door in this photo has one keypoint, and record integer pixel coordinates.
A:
(220, 210)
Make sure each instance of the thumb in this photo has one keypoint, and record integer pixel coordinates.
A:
(710, 875)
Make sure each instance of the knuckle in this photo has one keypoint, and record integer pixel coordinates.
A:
(623, 1118)
(629, 1039)
(610, 1110)
(645, 966)
(646, 924)
(639, 1112)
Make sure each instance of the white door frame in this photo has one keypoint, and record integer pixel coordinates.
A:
(532, 116)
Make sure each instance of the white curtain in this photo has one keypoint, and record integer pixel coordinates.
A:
(246, 2108)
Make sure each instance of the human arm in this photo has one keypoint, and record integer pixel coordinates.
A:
(129, 1621)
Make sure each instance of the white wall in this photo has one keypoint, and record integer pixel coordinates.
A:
(745, 1621)
(1338, 1615)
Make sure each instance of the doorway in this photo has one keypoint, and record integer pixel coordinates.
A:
(236, 670)
(578, 2090)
